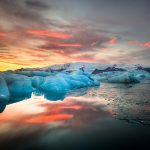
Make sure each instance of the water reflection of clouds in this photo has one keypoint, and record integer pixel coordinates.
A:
(72, 112)
(82, 122)
(37, 120)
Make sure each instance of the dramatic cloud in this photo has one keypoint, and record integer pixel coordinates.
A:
(81, 42)
(20, 14)
(59, 35)
(69, 45)
(113, 41)
(36, 4)
(35, 33)
(145, 44)
(3, 34)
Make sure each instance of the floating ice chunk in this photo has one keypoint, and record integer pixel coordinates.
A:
(54, 86)
(4, 94)
(141, 75)
(58, 85)
(79, 79)
(20, 87)
(37, 81)
(124, 78)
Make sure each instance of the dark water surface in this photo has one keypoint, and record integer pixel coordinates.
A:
(114, 116)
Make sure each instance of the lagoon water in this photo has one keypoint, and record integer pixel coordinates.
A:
(111, 116)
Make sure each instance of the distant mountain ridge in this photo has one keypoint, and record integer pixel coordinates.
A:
(94, 68)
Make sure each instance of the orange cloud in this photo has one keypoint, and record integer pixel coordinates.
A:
(59, 35)
(145, 44)
(69, 45)
(132, 42)
(113, 41)
(3, 34)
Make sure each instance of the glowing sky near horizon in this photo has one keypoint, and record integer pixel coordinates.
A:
(37, 33)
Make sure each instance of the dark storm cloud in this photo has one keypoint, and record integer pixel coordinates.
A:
(36, 4)
(21, 13)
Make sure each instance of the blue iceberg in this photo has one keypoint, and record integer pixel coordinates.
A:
(19, 86)
(56, 87)
(135, 76)
(4, 94)
(124, 78)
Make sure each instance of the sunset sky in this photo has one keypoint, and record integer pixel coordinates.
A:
(37, 33)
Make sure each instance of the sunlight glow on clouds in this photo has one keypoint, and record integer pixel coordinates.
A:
(145, 44)
(38, 33)
(3, 34)
(69, 45)
(50, 34)
(113, 41)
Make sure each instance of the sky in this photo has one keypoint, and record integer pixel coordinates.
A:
(37, 33)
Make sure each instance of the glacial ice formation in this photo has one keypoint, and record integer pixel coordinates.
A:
(123, 77)
(4, 94)
(16, 87)
(56, 82)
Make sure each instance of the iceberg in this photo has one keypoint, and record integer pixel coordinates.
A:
(141, 75)
(123, 78)
(20, 87)
(52, 86)
(57, 81)
(135, 76)
(129, 77)
(37, 81)
(58, 85)
(4, 94)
